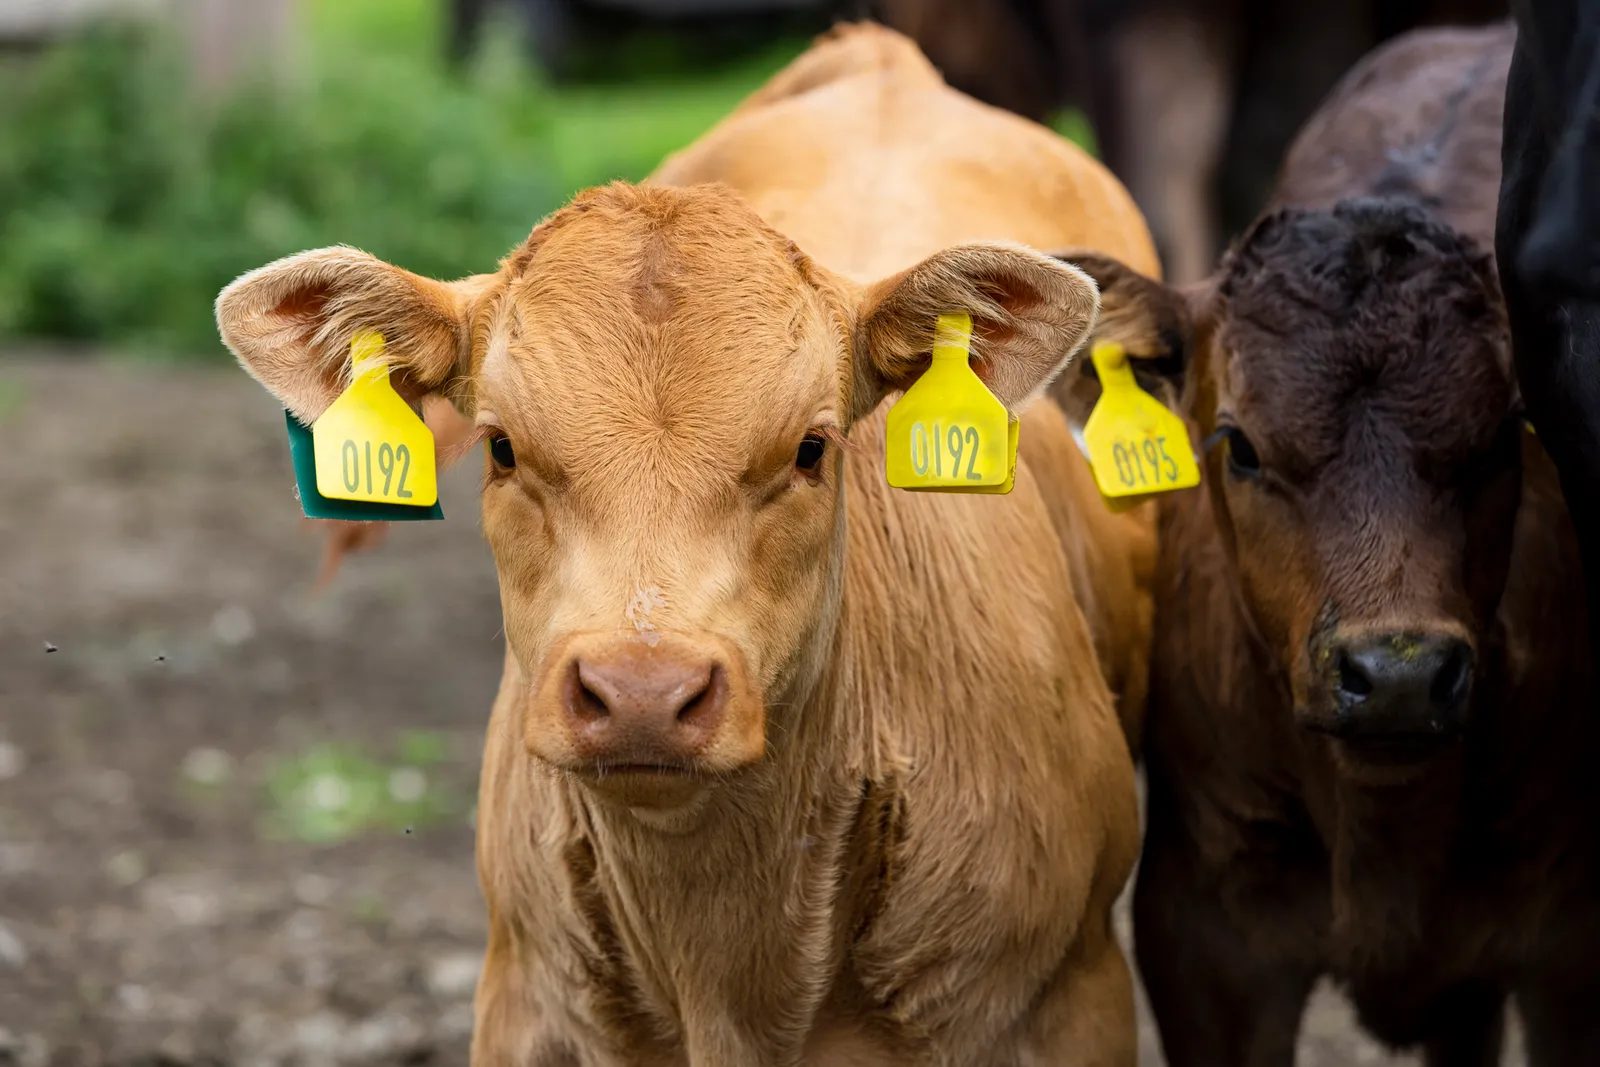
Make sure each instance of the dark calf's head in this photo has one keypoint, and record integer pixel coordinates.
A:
(1367, 472)
(1350, 371)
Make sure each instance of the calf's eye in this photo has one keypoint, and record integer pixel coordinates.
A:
(1242, 458)
(810, 453)
(500, 451)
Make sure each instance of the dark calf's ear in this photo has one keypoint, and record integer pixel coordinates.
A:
(1030, 313)
(1152, 322)
(290, 324)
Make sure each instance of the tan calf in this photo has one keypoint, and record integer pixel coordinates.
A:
(786, 767)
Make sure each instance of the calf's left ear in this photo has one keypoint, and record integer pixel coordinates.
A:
(290, 324)
(1153, 322)
(1029, 314)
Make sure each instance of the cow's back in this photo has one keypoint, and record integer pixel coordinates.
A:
(861, 154)
(1418, 118)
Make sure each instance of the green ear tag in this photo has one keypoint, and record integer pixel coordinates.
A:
(376, 451)
(317, 506)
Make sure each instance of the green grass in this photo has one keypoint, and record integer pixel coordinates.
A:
(333, 792)
(1074, 126)
(401, 28)
(604, 132)
(11, 397)
(586, 134)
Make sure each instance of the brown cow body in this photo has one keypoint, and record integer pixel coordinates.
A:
(1371, 724)
(786, 767)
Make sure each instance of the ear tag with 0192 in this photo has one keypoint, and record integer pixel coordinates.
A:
(948, 433)
(368, 457)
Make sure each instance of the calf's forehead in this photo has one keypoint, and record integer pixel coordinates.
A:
(1421, 362)
(652, 330)
(1353, 396)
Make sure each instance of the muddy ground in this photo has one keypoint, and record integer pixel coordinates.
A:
(235, 813)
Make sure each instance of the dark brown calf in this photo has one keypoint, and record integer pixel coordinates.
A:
(1371, 731)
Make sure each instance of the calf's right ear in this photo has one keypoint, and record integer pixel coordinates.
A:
(290, 324)
(1029, 314)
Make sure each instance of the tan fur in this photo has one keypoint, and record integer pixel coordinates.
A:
(920, 865)
(1113, 559)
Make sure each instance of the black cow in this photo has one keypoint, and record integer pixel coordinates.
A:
(1547, 242)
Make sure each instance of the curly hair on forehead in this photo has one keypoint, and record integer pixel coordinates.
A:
(1337, 259)
(655, 209)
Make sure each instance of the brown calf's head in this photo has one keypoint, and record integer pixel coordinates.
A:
(664, 385)
(1351, 368)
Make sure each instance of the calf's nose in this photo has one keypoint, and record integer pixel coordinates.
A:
(1401, 684)
(639, 707)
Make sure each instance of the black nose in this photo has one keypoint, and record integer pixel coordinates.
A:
(1401, 684)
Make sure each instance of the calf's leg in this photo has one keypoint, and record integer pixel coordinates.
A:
(1226, 990)
(1087, 1018)
(509, 1026)
(1561, 1021)
(1473, 1032)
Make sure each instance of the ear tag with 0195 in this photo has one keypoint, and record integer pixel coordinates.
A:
(1136, 447)
(949, 433)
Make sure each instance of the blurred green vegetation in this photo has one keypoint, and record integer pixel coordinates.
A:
(332, 792)
(126, 203)
(10, 397)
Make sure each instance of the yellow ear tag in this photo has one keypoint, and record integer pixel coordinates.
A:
(369, 444)
(1136, 446)
(948, 433)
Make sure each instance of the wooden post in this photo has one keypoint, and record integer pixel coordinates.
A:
(236, 40)
(36, 22)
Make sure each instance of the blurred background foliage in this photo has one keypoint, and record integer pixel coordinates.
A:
(127, 202)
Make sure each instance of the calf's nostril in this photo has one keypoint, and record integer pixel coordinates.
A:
(1353, 681)
(590, 705)
(703, 701)
(584, 698)
(1449, 686)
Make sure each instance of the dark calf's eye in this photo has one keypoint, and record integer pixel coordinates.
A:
(810, 453)
(500, 451)
(1242, 458)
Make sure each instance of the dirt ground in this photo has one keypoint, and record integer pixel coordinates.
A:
(235, 813)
